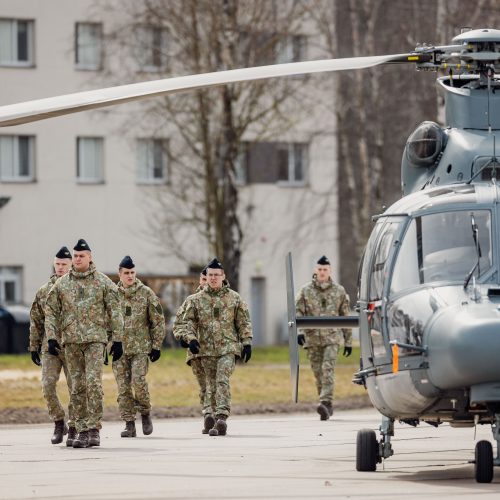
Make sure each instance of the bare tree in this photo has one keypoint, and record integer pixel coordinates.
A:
(201, 204)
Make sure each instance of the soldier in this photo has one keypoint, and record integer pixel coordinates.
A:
(51, 366)
(323, 297)
(217, 327)
(194, 360)
(81, 308)
(142, 339)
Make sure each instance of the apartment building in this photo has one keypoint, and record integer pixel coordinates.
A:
(84, 176)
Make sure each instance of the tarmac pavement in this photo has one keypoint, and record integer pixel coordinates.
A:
(262, 457)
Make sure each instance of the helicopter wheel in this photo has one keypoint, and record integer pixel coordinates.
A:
(366, 450)
(483, 466)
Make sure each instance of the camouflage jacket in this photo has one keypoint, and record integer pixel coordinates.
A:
(144, 321)
(323, 299)
(179, 328)
(38, 340)
(219, 319)
(84, 307)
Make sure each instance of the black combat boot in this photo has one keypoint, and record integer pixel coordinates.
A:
(129, 431)
(94, 439)
(147, 424)
(329, 406)
(221, 425)
(82, 440)
(208, 423)
(60, 430)
(322, 409)
(71, 436)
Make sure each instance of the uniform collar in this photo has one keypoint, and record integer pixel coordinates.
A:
(76, 274)
(322, 286)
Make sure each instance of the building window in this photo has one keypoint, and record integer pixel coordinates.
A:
(151, 51)
(88, 46)
(272, 162)
(16, 42)
(10, 285)
(17, 158)
(152, 161)
(90, 162)
(291, 48)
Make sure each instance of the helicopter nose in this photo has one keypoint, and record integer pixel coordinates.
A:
(464, 346)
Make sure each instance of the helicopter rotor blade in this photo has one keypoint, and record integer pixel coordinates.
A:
(40, 109)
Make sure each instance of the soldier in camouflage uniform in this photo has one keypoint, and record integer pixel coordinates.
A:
(51, 366)
(81, 308)
(217, 327)
(142, 339)
(207, 399)
(323, 297)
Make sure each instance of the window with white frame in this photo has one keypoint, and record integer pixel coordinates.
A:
(17, 158)
(151, 49)
(88, 46)
(291, 48)
(283, 163)
(152, 161)
(10, 285)
(90, 154)
(16, 42)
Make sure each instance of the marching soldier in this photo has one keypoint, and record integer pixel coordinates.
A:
(83, 306)
(142, 339)
(217, 327)
(194, 360)
(323, 297)
(51, 366)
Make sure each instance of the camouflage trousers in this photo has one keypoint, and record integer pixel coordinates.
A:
(133, 394)
(218, 371)
(322, 359)
(85, 362)
(207, 398)
(51, 371)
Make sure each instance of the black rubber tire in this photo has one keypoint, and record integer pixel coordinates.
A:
(483, 466)
(366, 450)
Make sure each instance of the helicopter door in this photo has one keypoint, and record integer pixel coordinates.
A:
(376, 304)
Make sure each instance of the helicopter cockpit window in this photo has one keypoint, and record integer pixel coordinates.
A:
(378, 270)
(441, 247)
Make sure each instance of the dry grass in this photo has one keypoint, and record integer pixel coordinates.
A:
(265, 380)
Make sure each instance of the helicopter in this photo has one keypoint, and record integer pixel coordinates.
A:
(429, 280)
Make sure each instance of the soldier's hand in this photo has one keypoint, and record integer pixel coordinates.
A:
(35, 357)
(184, 344)
(301, 339)
(54, 347)
(116, 351)
(194, 346)
(347, 351)
(154, 355)
(246, 353)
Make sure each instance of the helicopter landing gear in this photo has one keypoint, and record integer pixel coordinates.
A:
(369, 452)
(483, 464)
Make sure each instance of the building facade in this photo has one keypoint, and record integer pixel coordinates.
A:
(83, 176)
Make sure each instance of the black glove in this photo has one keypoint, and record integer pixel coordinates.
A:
(194, 346)
(116, 351)
(246, 353)
(301, 339)
(35, 357)
(54, 347)
(154, 355)
(347, 351)
(184, 344)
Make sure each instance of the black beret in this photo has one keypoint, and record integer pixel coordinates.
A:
(214, 264)
(323, 261)
(81, 245)
(127, 262)
(63, 253)
(204, 271)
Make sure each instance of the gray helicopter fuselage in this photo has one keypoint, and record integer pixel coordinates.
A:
(413, 301)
